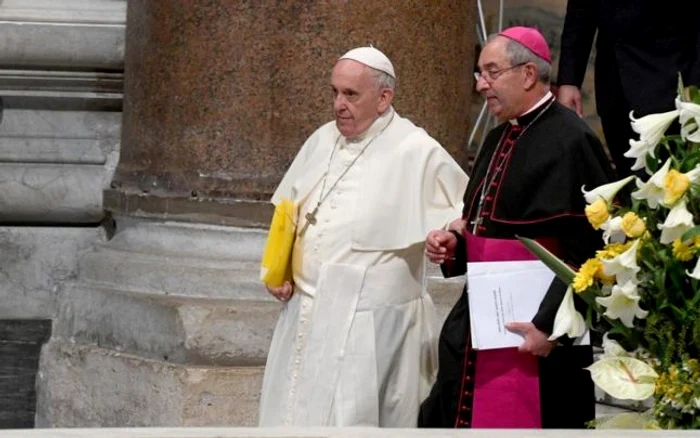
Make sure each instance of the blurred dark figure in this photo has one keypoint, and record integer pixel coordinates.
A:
(642, 47)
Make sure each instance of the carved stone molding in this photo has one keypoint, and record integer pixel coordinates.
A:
(86, 34)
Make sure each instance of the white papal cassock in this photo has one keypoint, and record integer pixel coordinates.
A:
(357, 343)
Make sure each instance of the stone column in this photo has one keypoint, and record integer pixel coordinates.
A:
(61, 64)
(167, 323)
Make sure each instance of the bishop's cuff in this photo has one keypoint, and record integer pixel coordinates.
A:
(457, 265)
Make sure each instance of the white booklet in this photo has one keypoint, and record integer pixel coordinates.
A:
(501, 292)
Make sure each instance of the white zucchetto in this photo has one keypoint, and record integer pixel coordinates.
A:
(371, 57)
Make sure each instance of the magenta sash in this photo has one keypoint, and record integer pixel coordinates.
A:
(506, 383)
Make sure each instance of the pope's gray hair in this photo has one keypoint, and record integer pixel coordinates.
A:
(382, 79)
(519, 54)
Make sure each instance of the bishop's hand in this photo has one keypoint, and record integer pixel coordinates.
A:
(440, 246)
(536, 342)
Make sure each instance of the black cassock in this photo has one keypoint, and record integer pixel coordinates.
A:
(533, 189)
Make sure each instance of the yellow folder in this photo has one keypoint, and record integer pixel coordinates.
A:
(276, 266)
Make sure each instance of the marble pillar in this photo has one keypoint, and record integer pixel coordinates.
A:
(220, 95)
(166, 323)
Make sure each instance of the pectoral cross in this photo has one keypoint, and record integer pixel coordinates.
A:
(475, 223)
(311, 216)
(310, 219)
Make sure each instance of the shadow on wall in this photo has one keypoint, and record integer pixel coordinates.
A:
(20, 344)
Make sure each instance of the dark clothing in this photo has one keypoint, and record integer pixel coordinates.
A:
(642, 47)
(533, 190)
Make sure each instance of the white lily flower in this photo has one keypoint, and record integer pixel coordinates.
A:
(625, 378)
(612, 348)
(639, 151)
(606, 192)
(623, 304)
(696, 271)
(612, 229)
(689, 118)
(678, 221)
(568, 321)
(652, 191)
(623, 266)
(652, 127)
(694, 175)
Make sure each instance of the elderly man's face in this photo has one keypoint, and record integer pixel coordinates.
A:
(500, 82)
(357, 101)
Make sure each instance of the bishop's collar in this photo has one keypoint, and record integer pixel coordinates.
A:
(530, 115)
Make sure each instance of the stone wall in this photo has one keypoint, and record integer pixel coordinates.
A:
(61, 79)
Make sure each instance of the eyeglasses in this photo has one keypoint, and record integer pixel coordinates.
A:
(492, 75)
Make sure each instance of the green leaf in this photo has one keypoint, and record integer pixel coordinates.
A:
(652, 163)
(560, 269)
(691, 233)
(694, 94)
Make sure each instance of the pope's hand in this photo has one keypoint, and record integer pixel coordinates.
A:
(570, 96)
(536, 341)
(282, 293)
(440, 245)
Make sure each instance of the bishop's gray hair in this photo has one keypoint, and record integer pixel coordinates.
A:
(382, 79)
(519, 54)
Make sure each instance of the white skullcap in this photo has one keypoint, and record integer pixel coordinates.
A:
(371, 57)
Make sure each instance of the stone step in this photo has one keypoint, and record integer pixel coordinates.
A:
(177, 329)
(182, 259)
(87, 386)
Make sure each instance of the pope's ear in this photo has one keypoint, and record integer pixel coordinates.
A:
(385, 99)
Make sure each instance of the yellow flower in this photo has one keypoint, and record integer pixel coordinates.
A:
(675, 186)
(597, 213)
(632, 225)
(612, 250)
(605, 279)
(681, 251)
(584, 277)
(696, 242)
